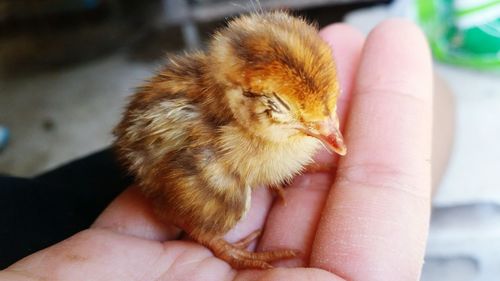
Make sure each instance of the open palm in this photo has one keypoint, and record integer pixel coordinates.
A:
(366, 220)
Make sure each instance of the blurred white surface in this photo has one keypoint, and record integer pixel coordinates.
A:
(61, 115)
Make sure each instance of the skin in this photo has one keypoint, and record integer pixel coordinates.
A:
(370, 225)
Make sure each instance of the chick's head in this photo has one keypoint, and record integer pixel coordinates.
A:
(279, 78)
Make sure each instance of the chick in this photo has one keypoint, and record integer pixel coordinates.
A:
(211, 126)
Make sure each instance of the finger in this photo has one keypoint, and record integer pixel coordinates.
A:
(132, 214)
(287, 274)
(375, 220)
(346, 43)
(98, 254)
(255, 218)
(94, 254)
(293, 225)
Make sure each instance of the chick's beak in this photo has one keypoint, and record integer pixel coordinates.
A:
(329, 134)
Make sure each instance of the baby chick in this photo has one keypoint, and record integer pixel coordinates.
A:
(211, 126)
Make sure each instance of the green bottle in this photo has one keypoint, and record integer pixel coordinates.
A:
(465, 32)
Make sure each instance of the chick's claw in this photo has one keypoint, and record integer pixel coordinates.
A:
(279, 190)
(243, 259)
(245, 242)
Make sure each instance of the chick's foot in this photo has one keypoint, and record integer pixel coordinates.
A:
(238, 257)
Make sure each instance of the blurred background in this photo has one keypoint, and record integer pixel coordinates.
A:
(67, 66)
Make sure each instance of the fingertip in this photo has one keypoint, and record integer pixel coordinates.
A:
(399, 38)
(401, 29)
(339, 31)
(347, 45)
(345, 41)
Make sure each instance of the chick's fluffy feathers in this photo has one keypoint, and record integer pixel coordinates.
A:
(183, 141)
(275, 47)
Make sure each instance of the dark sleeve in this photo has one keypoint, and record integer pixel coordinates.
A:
(41, 211)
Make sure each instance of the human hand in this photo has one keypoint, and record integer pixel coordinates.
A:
(371, 225)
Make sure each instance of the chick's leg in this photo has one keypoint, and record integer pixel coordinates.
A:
(318, 168)
(238, 257)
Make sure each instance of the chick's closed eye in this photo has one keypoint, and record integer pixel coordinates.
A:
(273, 102)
